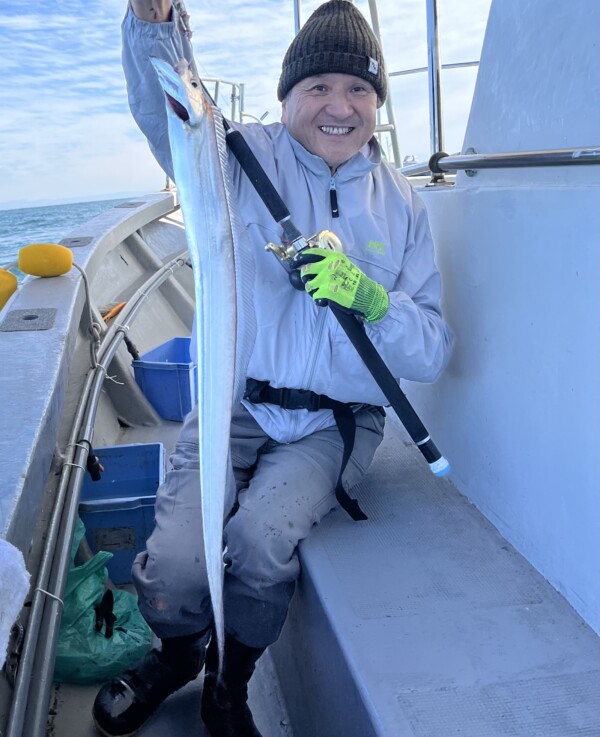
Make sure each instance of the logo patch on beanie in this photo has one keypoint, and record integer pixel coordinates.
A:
(373, 65)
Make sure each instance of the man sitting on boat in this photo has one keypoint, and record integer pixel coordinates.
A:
(286, 447)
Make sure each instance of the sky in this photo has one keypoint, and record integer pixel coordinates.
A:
(66, 133)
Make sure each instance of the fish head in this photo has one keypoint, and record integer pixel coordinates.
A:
(185, 93)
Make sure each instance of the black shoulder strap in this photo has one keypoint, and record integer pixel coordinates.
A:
(346, 424)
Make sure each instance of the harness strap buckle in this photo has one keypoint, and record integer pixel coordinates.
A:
(302, 399)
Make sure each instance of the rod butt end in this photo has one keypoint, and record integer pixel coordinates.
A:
(440, 467)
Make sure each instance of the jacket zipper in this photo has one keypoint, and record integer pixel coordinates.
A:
(335, 211)
(322, 316)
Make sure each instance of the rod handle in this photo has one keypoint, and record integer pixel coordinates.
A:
(357, 335)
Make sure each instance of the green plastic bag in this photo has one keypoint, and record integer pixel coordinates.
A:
(84, 655)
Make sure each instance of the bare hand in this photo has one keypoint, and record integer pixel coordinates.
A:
(153, 11)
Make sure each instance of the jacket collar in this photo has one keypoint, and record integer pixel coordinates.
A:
(363, 162)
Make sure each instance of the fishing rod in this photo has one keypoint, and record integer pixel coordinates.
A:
(294, 243)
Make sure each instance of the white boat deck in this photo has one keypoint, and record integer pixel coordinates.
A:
(421, 622)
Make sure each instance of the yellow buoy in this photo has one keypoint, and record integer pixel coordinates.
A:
(8, 286)
(45, 259)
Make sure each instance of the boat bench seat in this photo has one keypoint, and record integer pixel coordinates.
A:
(424, 621)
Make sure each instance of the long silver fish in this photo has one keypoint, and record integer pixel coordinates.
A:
(223, 275)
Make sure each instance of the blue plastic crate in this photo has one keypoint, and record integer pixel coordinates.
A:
(168, 378)
(118, 510)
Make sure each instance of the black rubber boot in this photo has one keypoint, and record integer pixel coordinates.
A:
(225, 710)
(124, 704)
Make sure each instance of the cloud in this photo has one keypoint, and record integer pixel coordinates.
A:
(65, 128)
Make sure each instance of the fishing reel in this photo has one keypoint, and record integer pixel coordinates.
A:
(287, 252)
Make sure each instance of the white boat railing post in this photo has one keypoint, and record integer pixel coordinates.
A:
(242, 101)
(234, 99)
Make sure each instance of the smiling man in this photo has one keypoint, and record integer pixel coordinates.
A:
(332, 82)
(291, 461)
(332, 115)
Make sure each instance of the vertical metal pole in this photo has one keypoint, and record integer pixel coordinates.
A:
(242, 101)
(433, 67)
(389, 106)
(234, 98)
(297, 22)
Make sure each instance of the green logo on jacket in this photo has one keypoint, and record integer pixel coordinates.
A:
(376, 247)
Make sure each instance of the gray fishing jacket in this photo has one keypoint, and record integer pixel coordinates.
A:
(382, 225)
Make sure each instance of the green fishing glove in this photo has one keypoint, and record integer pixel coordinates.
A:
(330, 275)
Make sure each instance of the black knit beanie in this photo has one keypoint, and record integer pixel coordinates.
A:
(336, 38)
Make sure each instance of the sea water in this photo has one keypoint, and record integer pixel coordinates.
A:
(47, 224)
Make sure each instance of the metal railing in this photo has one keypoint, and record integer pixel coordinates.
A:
(29, 708)
(433, 69)
(420, 70)
(441, 162)
(389, 105)
(436, 131)
(236, 97)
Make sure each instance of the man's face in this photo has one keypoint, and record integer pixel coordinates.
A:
(332, 115)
